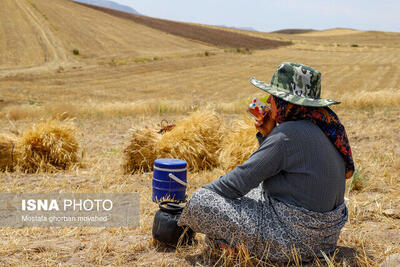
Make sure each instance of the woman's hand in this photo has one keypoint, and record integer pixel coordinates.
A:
(266, 125)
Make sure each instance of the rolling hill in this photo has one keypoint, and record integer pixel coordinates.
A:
(41, 34)
(44, 32)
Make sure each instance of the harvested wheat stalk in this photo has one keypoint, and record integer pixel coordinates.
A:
(196, 140)
(238, 145)
(7, 152)
(48, 146)
(141, 151)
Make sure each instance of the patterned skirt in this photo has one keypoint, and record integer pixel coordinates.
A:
(269, 228)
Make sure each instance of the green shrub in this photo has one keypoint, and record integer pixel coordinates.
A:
(206, 53)
(113, 62)
(142, 59)
(354, 45)
(358, 181)
(239, 50)
(76, 52)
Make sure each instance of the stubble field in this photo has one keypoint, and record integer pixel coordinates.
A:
(133, 76)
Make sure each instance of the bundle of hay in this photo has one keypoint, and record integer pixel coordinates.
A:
(48, 146)
(196, 140)
(7, 152)
(141, 151)
(238, 145)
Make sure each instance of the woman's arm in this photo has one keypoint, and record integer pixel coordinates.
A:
(266, 162)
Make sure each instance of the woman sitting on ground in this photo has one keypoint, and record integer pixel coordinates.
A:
(289, 195)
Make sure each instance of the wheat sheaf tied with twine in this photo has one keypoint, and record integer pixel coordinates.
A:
(48, 146)
(196, 139)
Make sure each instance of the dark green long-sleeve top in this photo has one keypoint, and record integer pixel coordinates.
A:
(296, 163)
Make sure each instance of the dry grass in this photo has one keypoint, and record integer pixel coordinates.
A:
(367, 99)
(62, 111)
(196, 140)
(141, 151)
(370, 234)
(20, 112)
(7, 155)
(202, 254)
(48, 146)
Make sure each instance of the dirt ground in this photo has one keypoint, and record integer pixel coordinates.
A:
(369, 232)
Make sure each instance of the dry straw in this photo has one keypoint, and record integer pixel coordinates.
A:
(238, 145)
(196, 140)
(48, 146)
(7, 152)
(141, 151)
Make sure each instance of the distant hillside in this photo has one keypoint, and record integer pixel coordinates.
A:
(216, 37)
(294, 31)
(239, 28)
(109, 4)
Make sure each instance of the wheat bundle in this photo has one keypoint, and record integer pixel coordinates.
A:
(7, 152)
(141, 151)
(196, 140)
(48, 146)
(238, 145)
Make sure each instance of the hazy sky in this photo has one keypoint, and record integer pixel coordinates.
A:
(269, 15)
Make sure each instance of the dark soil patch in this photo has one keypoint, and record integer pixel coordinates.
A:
(294, 31)
(215, 37)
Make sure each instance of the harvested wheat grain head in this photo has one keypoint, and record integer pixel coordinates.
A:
(196, 139)
(140, 153)
(239, 144)
(48, 146)
(7, 152)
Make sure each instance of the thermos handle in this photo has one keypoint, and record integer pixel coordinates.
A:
(176, 179)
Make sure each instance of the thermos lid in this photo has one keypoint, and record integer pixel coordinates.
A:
(170, 163)
(170, 207)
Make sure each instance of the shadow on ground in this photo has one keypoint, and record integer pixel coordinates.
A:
(213, 257)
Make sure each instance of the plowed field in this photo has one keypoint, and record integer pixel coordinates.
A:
(215, 37)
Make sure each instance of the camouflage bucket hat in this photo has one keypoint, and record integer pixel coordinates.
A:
(297, 84)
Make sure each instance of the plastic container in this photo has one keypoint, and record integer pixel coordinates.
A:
(169, 179)
(165, 225)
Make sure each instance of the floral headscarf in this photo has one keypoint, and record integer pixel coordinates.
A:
(325, 119)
